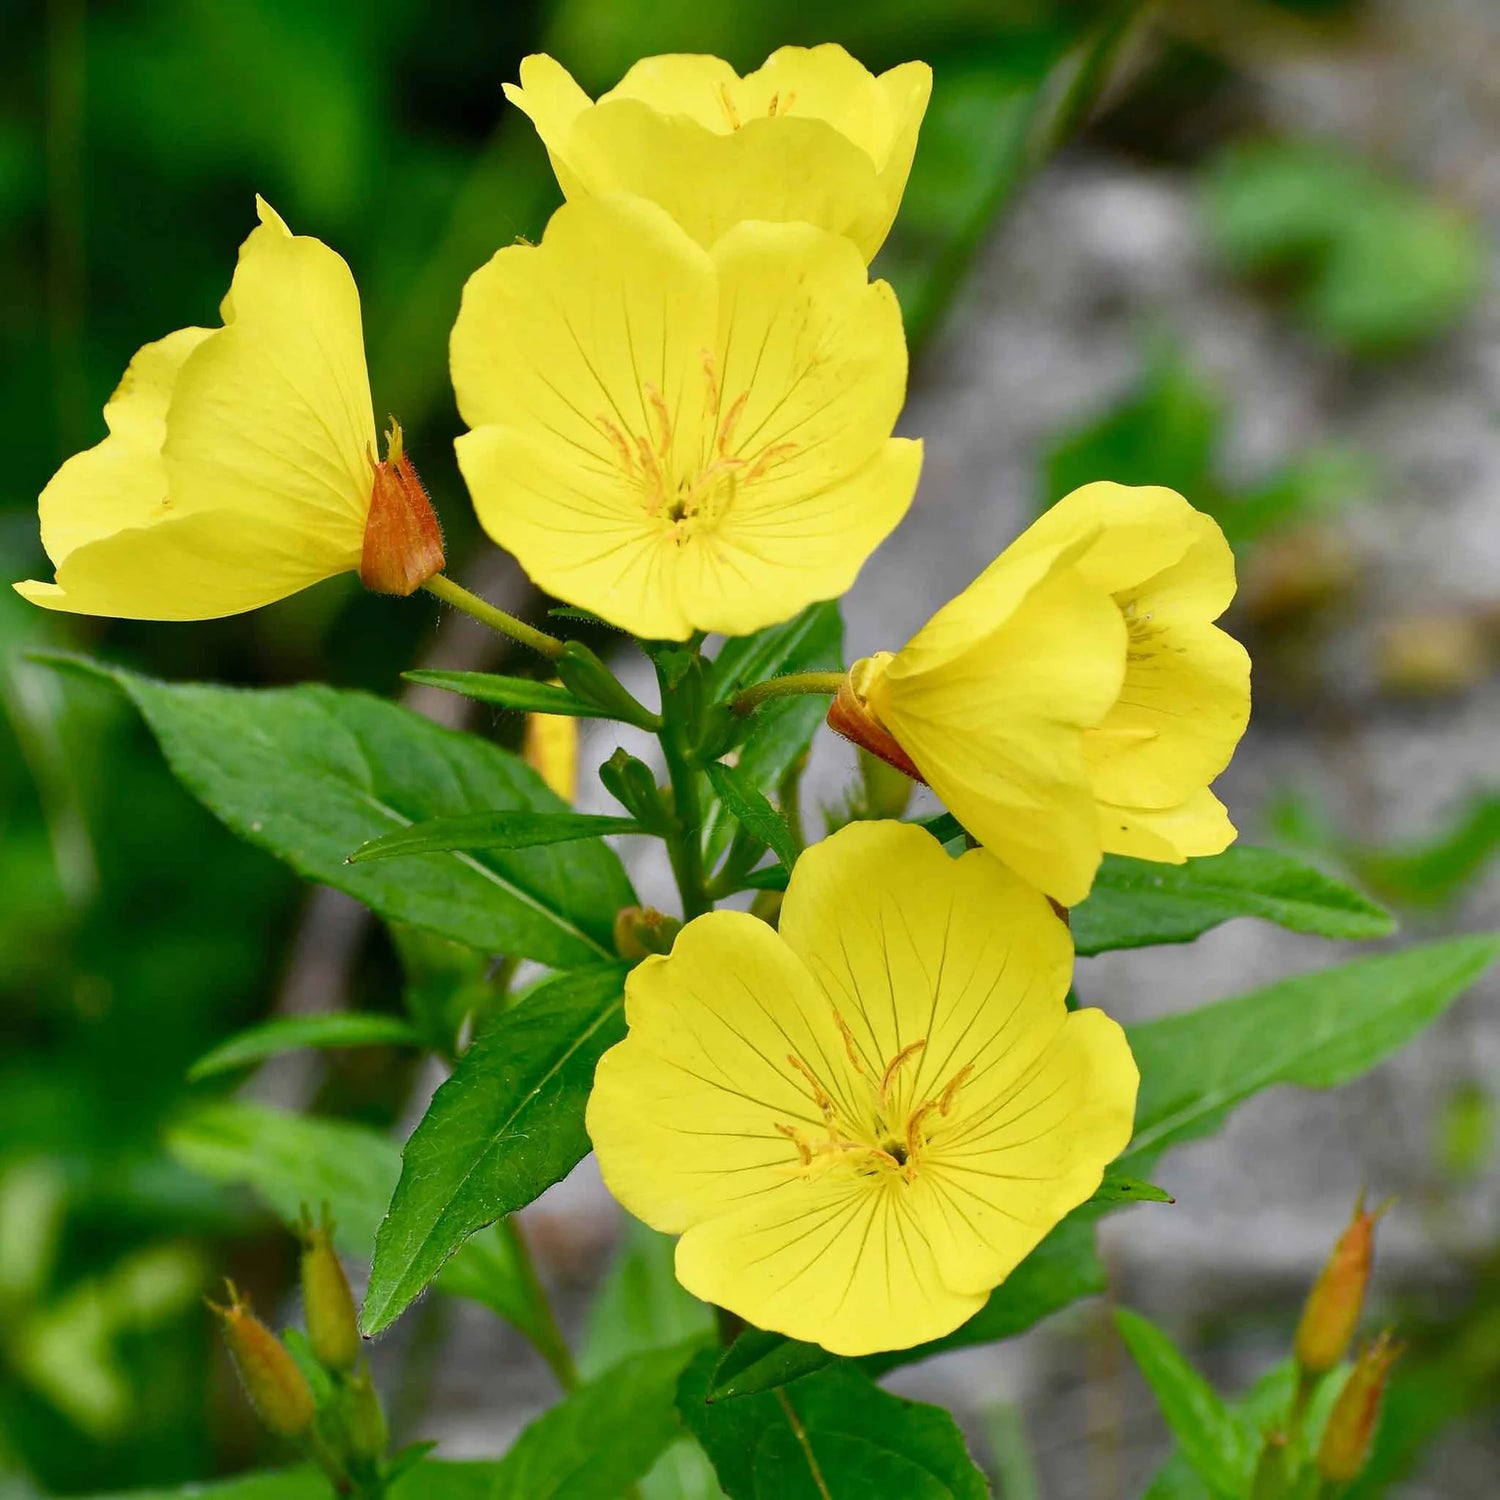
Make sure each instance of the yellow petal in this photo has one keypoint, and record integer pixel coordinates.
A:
(912, 945)
(684, 1112)
(990, 700)
(270, 417)
(1199, 825)
(1012, 1167)
(810, 137)
(837, 1265)
(679, 441)
(551, 749)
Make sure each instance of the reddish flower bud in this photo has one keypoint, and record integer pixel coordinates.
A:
(277, 1389)
(403, 542)
(328, 1303)
(851, 716)
(1331, 1314)
(1351, 1425)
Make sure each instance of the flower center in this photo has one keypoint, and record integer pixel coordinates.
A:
(882, 1129)
(687, 495)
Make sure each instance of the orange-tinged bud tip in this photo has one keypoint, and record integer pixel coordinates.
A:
(328, 1303)
(642, 930)
(277, 1389)
(851, 716)
(1331, 1314)
(403, 542)
(1351, 1425)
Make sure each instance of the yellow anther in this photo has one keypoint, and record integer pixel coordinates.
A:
(663, 417)
(904, 1055)
(914, 1136)
(775, 100)
(617, 438)
(730, 112)
(949, 1094)
(711, 375)
(795, 1137)
(731, 419)
(849, 1046)
(769, 458)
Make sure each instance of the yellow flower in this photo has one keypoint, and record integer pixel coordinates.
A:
(682, 439)
(239, 466)
(811, 136)
(1076, 698)
(551, 749)
(862, 1124)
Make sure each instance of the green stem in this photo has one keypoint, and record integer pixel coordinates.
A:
(787, 687)
(685, 841)
(442, 587)
(547, 1336)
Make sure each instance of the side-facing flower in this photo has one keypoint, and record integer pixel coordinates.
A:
(810, 136)
(676, 438)
(862, 1124)
(1077, 697)
(240, 461)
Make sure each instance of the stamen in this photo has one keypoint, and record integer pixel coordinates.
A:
(849, 1047)
(820, 1094)
(711, 375)
(731, 418)
(775, 100)
(795, 1137)
(617, 437)
(895, 1063)
(949, 1094)
(769, 458)
(663, 417)
(730, 112)
(913, 1135)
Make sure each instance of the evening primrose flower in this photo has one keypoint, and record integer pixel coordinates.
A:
(240, 462)
(681, 439)
(810, 136)
(862, 1123)
(1076, 698)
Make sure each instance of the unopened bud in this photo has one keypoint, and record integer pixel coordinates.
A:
(1351, 1425)
(850, 715)
(403, 542)
(277, 1389)
(642, 930)
(328, 1303)
(1331, 1314)
(630, 782)
(586, 676)
(364, 1418)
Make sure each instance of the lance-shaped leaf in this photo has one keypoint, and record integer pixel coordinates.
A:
(294, 1033)
(311, 774)
(520, 693)
(504, 1127)
(751, 809)
(492, 830)
(1316, 1030)
(832, 1436)
(1217, 1444)
(1136, 903)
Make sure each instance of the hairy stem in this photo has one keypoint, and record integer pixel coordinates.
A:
(685, 842)
(442, 587)
(787, 687)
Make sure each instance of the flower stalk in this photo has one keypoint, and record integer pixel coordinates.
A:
(792, 685)
(440, 586)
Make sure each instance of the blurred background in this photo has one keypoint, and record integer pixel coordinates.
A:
(1245, 248)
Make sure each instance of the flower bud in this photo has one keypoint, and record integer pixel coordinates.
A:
(403, 543)
(851, 716)
(1351, 1425)
(1331, 1314)
(585, 675)
(630, 782)
(277, 1389)
(364, 1423)
(332, 1325)
(642, 930)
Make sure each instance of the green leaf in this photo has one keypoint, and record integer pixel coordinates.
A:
(1117, 1188)
(293, 1033)
(311, 773)
(1136, 903)
(1061, 1270)
(519, 693)
(604, 1437)
(1316, 1030)
(832, 1436)
(283, 1484)
(759, 1361)
(289, 1161)
(1435, 870)
(1219, 1447)
(781, 730)
(505, 1126)
(493, 830)
(750, 807)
